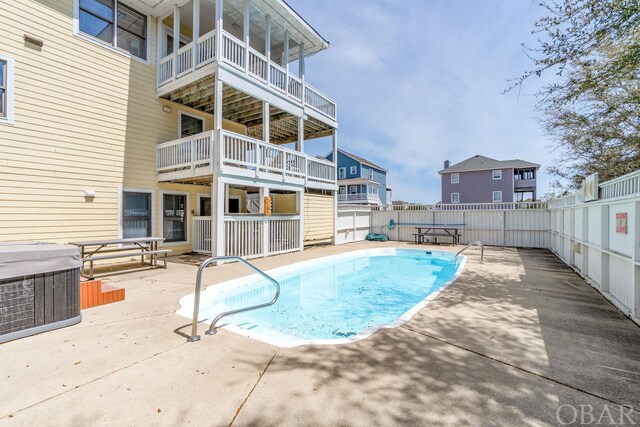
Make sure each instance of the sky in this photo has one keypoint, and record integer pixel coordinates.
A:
(418, 82)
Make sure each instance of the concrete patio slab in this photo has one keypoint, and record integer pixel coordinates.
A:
(509, 343)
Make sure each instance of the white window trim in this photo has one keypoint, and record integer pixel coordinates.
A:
(195, 116)
(493, 176)
(457, 180)
(121, 192)
(370, 173)
(188, 217)
(353, 170)
(351, 187)
(168, 31)
(342, 173)
(101, 43)
(239, 199)
(10, 90)
(199, 197)
(457, 201)
(494, 197)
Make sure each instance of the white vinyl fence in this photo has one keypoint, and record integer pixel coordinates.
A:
(500, 224)
(600, 239)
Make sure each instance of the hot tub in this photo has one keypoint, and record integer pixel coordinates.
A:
(39, 288)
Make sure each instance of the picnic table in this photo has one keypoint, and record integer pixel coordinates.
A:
(436, 231)
(97, 250)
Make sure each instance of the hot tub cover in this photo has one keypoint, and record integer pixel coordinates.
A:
(25, 259)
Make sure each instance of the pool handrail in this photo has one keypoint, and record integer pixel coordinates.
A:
(475, 243)
(196, 301)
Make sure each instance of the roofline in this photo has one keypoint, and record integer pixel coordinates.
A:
(348, 154)
(440, 172)
(326, 42)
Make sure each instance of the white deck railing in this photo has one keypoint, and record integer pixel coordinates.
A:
(262, 159)
(188, 156)
(241, 155)
(322, 171)
(191, 57)
(202, 234)
(359, 198)
(250, 236)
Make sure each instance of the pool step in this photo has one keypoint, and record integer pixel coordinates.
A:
(94, 293)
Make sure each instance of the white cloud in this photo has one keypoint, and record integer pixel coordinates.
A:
(420, 82)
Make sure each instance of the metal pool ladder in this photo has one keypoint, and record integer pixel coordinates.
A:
(476, 243)
(196, 302)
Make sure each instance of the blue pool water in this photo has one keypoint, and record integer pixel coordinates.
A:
(334, 299)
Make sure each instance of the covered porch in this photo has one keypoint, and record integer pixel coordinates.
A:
(253, 221)
(359, 191)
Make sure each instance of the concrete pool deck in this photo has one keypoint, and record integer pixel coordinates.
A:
(509, 343)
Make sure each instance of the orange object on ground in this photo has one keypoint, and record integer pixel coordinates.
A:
(94, 293)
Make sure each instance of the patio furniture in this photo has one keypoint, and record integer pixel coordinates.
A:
(436, 231)
(98, 250)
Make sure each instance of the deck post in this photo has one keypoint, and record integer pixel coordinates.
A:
(300, 209)
(219, 26)
(267, 46)
(300, 141)
(265, 121)
(264, 193)
(196, 33)
(246, 30)
(301, 70)
(176, 38)
(159, 37)
(285, 61)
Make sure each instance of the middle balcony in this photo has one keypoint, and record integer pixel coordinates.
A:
(193, 159)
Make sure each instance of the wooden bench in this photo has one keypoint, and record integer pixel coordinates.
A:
(99, 250)
(419, 237)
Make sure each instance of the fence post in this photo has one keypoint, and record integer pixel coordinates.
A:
(604, 244)
(504, 228)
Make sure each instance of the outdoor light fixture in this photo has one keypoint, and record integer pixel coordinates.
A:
(89, 194)
(166, 109)
(33, 40)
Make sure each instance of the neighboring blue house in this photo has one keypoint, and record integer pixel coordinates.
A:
(361, 181)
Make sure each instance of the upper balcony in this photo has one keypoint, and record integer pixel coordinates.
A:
(194, 158)
(524, 183)
(263, 43)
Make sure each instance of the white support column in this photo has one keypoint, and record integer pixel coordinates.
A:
(196, 32)
(267, 46)
(246, 31)
(219, 26)
(300, 210)
(285, 61)
(217, 217)
(159, 37)
(300, 141)
(264, 193)
(265, 121)
(176, 38)
(217, 124)
(301, 69)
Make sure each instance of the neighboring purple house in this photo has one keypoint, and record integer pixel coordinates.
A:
(480, 179)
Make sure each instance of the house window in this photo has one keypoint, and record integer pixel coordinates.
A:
(353, 170)
(496, 174)
(370, 173)
(190, 125)
(204, 208)
(342, 190)
(6, 89)
(455, 197)
(455, 178)
(136, 214)
(497, 196)
(342, 172)
(113, 23)
(174, 221)
(353, 189)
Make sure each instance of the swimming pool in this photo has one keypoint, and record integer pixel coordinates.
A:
(331, 300)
